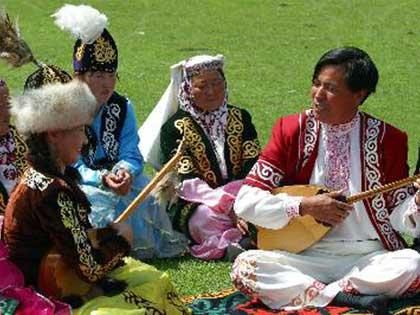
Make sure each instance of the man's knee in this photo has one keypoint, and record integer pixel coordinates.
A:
(243, 273)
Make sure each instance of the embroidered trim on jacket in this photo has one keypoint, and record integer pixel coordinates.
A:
(36, 180)
(310, 136)
(372, 178)
(89, 267)
(197, 148)
(234, 130)
(265, 175)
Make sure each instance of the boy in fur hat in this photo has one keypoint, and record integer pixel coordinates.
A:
(111, 164)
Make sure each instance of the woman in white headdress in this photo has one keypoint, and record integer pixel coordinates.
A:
(221, 147)
(111, 165)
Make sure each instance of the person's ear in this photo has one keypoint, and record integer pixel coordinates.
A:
(360, 96)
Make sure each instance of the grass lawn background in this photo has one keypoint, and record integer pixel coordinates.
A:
(270, 49)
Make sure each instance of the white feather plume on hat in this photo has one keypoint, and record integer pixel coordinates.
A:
(54, 107)
(82, 21)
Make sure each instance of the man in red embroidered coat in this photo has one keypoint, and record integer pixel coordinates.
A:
(361, 262)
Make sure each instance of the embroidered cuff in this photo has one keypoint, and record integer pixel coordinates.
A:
(292, 207)
(125, 165)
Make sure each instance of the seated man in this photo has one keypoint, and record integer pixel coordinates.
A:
(361, 261)
(12, 150)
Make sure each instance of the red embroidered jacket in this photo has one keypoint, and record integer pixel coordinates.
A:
(290, 156)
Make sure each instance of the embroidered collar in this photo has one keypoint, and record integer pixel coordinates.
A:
(341, 129)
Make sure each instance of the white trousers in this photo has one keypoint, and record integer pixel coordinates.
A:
(288, 281)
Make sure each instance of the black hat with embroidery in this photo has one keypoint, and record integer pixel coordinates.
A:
(46, 74)
(95, 49)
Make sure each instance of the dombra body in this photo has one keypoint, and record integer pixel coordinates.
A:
(303, 232)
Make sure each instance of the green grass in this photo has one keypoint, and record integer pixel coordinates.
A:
(270, 48)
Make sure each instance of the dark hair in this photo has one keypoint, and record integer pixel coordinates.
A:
(40, 158)
(360, 71)
(39, 155)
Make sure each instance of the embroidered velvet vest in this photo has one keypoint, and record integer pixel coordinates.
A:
(112, 121)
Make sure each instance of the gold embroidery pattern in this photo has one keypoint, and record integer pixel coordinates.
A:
(198, 149)
(186, 165)
(79, 52)
(69, 216)
(103, 51)
(234, 130)
(250, 149)
(20, 151)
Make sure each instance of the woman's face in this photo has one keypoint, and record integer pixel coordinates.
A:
(4, 110)
(101, 83)
(67, 144)
(208, 90)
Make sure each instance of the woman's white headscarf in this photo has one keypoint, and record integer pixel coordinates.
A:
(179, 92)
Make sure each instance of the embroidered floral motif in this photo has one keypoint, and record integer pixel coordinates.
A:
(198, 150)
(292, 211)
(36, 181)
(244, 276)
(103, 51)
(69, 212)
(234, 130)
(308, 295)
(337, 154)
(265, 175)
(347, 287)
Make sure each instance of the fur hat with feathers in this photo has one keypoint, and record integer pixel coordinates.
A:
(54, 107)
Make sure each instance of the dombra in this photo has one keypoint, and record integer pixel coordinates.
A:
(303, 232)
(58, 279)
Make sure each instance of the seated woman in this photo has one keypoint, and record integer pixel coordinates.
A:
(12, 150)
(48, 209)
(111, 165)
(221, 147)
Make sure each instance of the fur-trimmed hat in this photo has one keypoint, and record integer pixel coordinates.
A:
(54, 107)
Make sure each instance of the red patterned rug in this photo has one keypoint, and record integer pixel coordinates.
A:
(234, 302)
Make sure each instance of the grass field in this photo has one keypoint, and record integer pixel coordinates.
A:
(270, 47)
